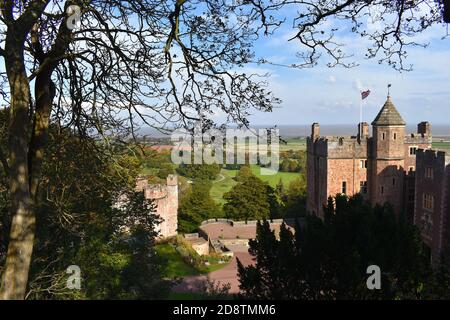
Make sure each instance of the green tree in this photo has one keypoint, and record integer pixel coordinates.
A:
(244, 172)
(165, 170)
(329, 259)
(294, 198)
(134, 66)
(196, 206)
(78, 224)
(250, 199)
(280, 188)
(199, 171)
(119, 261)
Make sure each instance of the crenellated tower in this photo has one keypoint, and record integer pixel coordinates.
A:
(165, 197)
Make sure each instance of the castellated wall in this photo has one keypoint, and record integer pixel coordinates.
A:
(381, 168)
(337, 163)
(165, 198)
(432, 205)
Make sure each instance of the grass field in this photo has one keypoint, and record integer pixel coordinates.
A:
(441, 145)
(300, 144)
(293, 144)
(225, 181)
(177, 268)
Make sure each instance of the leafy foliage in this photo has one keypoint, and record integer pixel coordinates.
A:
(78, 223)
(196, 206)
(251, 198)
(199, 171)
(293, 198)
(329, 259)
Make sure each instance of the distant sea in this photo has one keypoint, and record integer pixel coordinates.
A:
(291, 131)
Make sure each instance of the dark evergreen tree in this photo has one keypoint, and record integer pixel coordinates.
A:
(328, 259)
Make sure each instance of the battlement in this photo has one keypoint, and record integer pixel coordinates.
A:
(340, 146)
(436, 155)
(418, 138)
(156, 191)
(165, 198)
(141, 183)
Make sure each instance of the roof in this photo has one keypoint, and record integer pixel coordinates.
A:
(388, 115)
(223, 230)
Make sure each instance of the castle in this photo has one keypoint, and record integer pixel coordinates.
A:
(165, 198)
(389, 166)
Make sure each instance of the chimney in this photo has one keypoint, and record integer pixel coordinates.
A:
(363, 130)
(423, 128)
(315, 131)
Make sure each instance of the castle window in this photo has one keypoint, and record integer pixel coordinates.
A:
(429, 173)
(412, 151)
(393, 182)
(382, 190)
(364, 164)
(427, 224)
(411, 168)
(395, 136)
(383, 136)
(363, 186)
(344, 187)
(428, 201)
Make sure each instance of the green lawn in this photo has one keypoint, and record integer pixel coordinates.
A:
(177, 268)
(225, 181)
(222, 184)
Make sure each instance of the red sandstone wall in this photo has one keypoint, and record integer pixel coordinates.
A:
(348, 170)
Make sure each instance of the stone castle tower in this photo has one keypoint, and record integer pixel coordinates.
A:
(381, 167)
(388, 156)
(165, 198)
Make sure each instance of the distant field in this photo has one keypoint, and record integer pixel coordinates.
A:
(441, 145)
(293, 144)
(300, 144)
(222, 184)
(225, 181)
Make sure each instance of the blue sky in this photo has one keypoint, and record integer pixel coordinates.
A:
(331, 95)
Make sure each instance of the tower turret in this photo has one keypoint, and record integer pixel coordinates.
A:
(389, 132)
(389, 155)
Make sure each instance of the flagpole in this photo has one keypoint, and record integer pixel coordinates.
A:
(360, 110)
(360, 116)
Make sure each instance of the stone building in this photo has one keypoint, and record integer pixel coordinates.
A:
(380, 167)
(432, 205)
(165, 198)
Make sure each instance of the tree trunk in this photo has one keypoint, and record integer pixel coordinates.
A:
(20, 248)
(44, 89)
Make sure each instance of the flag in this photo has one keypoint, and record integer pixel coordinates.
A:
(365, 94)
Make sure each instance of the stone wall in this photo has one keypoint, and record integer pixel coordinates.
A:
(433, 181)
(165, 198)
(380, 167)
